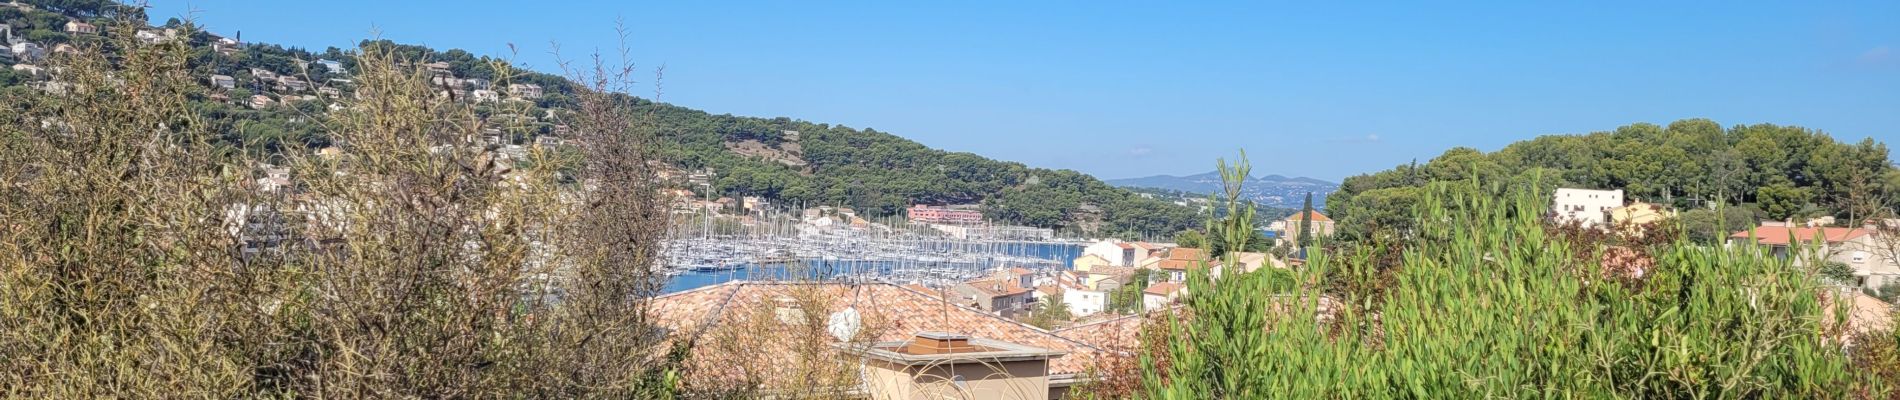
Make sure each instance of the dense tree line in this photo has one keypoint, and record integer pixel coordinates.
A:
(1751, 172)
(879, 174)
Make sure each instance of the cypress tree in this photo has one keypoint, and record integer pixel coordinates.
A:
(1306, 224)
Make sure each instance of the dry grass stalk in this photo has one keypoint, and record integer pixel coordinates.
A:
(419, 263)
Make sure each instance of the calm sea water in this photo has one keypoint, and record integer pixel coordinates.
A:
(1063, 252)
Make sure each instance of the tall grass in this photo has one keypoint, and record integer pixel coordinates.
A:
(141, 262)
(1486, 303)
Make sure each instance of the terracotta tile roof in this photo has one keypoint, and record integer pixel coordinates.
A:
(1315, 216)
(1162, 288)
(995, 287)
(1149, 246)
(1779, 235)
(1182, 258)
(1112, 271)
(926, 290)
(890, 313)
(1864, 313)
(1186, 254)
(1124, 245)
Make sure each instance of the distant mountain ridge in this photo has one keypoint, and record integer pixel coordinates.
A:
(1269, 190)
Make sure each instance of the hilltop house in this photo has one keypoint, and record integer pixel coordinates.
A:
(1006, 293)
(154, 36)
(440, 68)
(943, 215)
(28, 52)
(525, 90)
(226, 46)
(1125, 254)
(291, 83)
(1322, 226)
(1862, 249)
(1183, 259)
(1088, 261)
(223, 82)
(1635, 215)
(1161, 294)
(1081, 299)
(331, 66)
(81, 28)
(1584, 206)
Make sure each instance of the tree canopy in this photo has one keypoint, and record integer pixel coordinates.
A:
(1784, 171)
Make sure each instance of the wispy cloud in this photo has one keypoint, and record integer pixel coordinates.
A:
(1141, 151)
(1368, 138)
(1879, 57)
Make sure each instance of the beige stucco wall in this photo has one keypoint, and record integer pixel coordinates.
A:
(1017, 380)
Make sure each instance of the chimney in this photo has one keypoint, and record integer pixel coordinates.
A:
(939, 343)
(789, 312)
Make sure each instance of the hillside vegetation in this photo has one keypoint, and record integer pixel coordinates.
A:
(791, 161)
(1760, 172)
(1490, 301)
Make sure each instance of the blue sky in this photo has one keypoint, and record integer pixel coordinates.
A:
(1124, 89)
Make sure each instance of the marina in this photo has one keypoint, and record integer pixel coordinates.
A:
(786, 249)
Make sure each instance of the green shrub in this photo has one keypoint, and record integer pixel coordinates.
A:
(1484, 303)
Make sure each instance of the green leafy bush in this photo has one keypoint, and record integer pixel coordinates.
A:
(1486, 303)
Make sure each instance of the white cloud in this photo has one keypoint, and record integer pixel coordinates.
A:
(1141, 151)
(1879, 56)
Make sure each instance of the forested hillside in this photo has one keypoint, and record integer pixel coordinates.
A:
(792, 161)
(880, 173)
(1757, 172)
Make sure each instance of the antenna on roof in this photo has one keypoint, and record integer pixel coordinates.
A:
(844, 324)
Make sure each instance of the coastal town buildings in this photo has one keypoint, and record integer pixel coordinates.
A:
(736, 326)
(1322, 225)
(1585, 207)
(1861, 248)
(944, 215)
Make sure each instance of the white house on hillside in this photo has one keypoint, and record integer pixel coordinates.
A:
(1584, 206)
(1125, 254)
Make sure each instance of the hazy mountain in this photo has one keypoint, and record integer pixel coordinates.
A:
(1270, 190)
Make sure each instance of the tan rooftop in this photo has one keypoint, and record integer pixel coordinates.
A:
(889, 313)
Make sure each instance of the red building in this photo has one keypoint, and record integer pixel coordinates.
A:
(946, 215)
